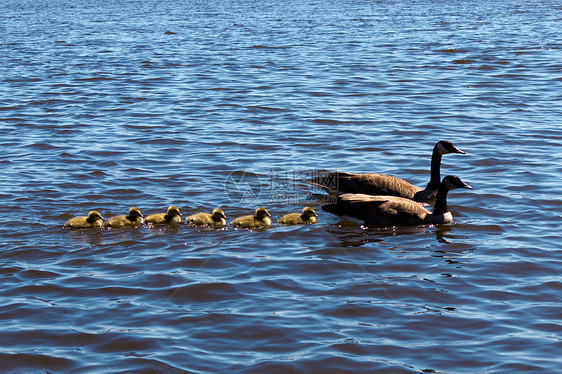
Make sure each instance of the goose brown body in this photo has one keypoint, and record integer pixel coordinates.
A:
(172, 215)
(338, 183)
(93, 219)
(386, 211)
(133, 218)
(215, 219)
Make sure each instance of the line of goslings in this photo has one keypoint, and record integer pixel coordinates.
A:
(134, 218)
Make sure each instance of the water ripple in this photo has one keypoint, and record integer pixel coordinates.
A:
(236, 105)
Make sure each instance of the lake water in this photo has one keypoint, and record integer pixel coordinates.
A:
(233, 104)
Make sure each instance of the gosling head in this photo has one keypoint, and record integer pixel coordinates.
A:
(94, 215)
(218, 214)
(261, 213)
(135, 213)
(308, 212)
(173, 211)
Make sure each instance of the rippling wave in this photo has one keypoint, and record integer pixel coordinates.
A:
(235, 105)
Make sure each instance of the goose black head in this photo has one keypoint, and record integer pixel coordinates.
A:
(453, 182)
(445, 146)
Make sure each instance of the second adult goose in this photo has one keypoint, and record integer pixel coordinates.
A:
(337, 183)
(386, 211)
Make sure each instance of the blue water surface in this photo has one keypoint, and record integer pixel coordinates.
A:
(234, 104)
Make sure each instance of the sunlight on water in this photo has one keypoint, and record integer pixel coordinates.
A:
(237, 105)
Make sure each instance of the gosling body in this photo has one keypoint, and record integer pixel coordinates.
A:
(93, 219)
(215, 219)
(133, 218)
(260, 219)
(307, 217)
(338, 183)
(172, 216)
(387, 211)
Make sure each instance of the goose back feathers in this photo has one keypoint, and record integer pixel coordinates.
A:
(386, 211)
(338, 183)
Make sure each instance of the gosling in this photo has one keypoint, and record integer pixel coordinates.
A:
(215, 219)
(94, 219)
(134, 218)
(307, 217)
(172, 216)
(259, 220)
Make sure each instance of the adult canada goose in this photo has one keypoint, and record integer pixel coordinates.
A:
(94, 219)
(337, 183)
(308, 216)
(134, 218)
(215, 219)
(385, 211)
(258, 220)
(172, 215)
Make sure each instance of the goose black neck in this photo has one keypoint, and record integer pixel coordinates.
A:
(441, 199)
(435, 177)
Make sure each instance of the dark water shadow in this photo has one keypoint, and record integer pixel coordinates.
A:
(344, 234)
